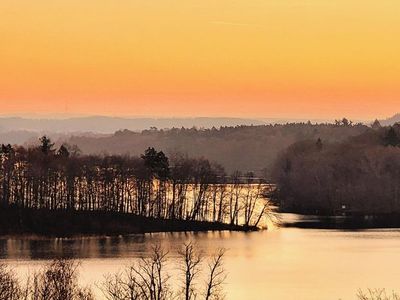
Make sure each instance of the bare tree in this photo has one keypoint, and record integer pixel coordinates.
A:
(9, 285)
(120, 287)
(377, 294)
(145, 280)
(58, 281)
(190, 265)
(216, 277)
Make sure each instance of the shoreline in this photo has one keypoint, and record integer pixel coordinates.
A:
(69, 223)
(350, 222)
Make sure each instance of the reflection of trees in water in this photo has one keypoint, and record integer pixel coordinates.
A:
(79, 247)
(135, 246)
(3, 249)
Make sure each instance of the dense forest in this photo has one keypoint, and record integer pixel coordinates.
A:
(243, 148)
(152, 185)
(360, 175)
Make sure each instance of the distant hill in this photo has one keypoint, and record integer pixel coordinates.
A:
(233, 143)
(101, 124)
(391, 120)
(244, 148)
(25, 137)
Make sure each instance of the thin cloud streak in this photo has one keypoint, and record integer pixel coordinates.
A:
(234, 23)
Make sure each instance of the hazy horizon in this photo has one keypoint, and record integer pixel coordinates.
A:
(281, 117)
(64, 116)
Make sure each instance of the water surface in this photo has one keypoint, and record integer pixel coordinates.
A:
(286, 263)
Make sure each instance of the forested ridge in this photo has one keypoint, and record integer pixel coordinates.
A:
(243, 148)
(360, 175)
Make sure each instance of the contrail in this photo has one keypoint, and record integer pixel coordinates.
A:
(233, 23)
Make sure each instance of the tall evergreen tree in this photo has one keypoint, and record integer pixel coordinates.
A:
(391, 138)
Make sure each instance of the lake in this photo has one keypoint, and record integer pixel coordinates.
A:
(282, 263)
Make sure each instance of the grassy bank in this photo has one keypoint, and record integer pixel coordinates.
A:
(67, 223)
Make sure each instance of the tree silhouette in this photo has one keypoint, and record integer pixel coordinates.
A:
(157, 163)
(319, 144)
(63, 151)
(46, 146)
(391, 138)
(376, 125)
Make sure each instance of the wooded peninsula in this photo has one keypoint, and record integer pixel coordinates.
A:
(58, 191)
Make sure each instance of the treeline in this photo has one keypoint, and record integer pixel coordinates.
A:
(146, 279)
(243, 148)
(358, 176)
(152, 185)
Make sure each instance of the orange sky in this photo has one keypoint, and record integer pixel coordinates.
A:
(245, 58)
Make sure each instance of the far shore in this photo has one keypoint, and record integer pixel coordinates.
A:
(344, 222)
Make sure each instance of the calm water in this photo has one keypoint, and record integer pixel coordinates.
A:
(286, 263)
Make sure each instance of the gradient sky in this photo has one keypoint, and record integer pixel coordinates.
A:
(245, 58)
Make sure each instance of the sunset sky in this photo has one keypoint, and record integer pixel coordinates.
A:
(244, 58)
